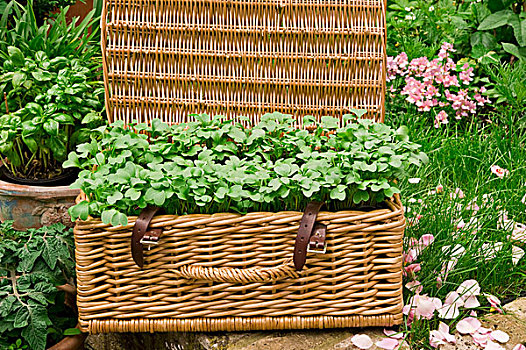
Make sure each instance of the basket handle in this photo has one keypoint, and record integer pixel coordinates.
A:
(235, 275)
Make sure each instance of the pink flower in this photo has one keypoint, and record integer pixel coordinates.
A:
(426, 240)
(457, 194)
(519, 347)
(411, 270)
(500, 172)
(494, 302)
(466, 74)
(410, 256)
(441, 118)
(450, 308)
(414, 286)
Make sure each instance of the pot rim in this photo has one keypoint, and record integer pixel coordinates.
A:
(43, 192)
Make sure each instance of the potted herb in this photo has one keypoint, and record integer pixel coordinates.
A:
(214, 166)
(49, 105)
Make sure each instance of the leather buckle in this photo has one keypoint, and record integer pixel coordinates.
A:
(151, 237)
(317, 240)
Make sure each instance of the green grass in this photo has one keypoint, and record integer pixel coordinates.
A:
(461, 157)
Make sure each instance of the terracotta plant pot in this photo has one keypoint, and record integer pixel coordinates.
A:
(35, 206)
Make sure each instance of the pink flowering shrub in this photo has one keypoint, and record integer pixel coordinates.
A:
(439, 86)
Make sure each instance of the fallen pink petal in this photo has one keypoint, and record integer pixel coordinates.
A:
(388, 343)
(468, 325)
(362, 341)
(500, 336)
(393, 334)
(491, 345)
(480, 339)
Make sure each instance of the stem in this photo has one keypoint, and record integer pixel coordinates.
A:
(12, 277)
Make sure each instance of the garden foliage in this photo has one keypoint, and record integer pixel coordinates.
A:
(55, 102)
(32, 264)
(50, 79)
(212, 166)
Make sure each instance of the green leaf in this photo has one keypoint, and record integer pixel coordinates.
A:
(18, 79)
(91, 117)
(72, 161)
(72, 331)
(51, 251)
(283, 169)
(389, 192)
(514, 50)
(119, 219)
(57, 147)
(360, 196)
(41, 75)
(51, 126)
(495, 20)
(36, 331)
(116, 196)
(63, 118)
(16, 55)
(34, 108)
(30, 143)
(519, 29)
(402, 133)
(158, 197)
(330, 122)
(21, 317)
(80, 211)
(133, 194)
(338, 193)
(27, 260)
(107, 215)
(484, 40)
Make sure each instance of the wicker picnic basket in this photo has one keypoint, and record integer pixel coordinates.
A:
(286, 270)
(234, 272)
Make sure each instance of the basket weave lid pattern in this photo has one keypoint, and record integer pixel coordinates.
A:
(169, 58)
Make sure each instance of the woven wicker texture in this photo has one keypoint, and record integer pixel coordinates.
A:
(233, 272)
(169, 58)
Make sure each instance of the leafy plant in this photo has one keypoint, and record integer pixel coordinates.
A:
(55, 100)
(32, 264)
(43, 8)
(57, 38)
(506, 84)
(213, 165)
(499, 23)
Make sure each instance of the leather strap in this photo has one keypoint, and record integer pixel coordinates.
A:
(304, 234)
(140, 229)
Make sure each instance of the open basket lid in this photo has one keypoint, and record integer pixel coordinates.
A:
(168, 59)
